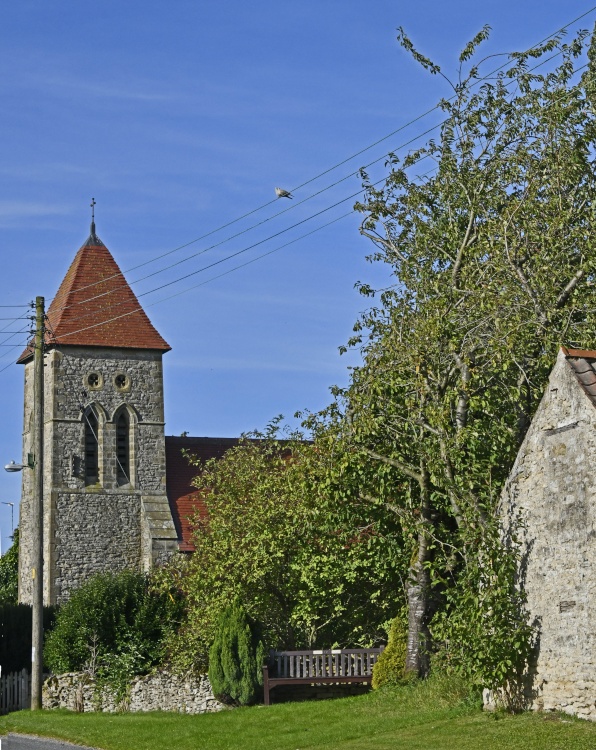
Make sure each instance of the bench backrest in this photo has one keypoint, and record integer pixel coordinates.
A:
(351, 662)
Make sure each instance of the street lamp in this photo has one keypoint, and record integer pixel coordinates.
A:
(15, 467)
(11, 514)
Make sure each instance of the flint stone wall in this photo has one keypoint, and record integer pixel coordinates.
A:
(161, 691)
(106, 527)
(552, 490)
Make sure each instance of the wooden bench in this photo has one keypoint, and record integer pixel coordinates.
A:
(316, 667)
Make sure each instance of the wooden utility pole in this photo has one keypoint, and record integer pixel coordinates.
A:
(37, 510)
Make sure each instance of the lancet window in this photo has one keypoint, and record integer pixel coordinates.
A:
(123, 448)
(91, 448)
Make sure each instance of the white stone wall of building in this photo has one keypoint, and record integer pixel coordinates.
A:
(552, 488)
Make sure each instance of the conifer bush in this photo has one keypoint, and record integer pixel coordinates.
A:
(236, 658)
(390, 669)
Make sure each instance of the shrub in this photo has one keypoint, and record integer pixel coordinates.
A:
(236, 658)
(390, 669)
(111, 620)
(9, 573)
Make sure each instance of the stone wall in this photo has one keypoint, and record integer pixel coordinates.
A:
(93, 533)
(552, 489)
(156, 692)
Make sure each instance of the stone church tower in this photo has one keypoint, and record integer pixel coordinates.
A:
(105, 503)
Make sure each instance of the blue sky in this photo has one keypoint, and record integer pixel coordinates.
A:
(181, 117)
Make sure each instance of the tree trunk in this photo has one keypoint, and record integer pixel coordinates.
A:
(418, 589)
(418, 592)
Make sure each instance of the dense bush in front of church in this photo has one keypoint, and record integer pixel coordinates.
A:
(114, 624)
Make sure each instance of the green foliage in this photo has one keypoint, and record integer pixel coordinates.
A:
(482, 632)
(390, 669)
(493, 266)
(113, 627)
(292, 540)
(9, 573)
(434, 714)
(236, 658)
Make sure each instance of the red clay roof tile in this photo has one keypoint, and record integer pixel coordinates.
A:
(184, 498)
(95, 306)
(583, 364)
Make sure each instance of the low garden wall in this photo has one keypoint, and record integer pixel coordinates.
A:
(161, 691)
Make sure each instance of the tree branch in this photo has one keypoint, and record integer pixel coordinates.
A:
(464, 244)
(569, 289)
(407, 470)
(461, 410)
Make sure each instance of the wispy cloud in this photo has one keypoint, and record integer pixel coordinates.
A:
(14, 213)
(27, 209)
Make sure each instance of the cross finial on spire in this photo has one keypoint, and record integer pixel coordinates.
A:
(92, 204)
(93, 240)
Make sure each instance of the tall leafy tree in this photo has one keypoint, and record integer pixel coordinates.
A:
(493, 260)
(285, 535)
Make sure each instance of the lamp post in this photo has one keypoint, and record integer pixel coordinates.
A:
(11, 516)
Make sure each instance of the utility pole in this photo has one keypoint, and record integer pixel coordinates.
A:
(37, 510)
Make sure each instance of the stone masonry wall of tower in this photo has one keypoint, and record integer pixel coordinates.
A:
(106, 526)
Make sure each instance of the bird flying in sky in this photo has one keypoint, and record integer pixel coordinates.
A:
(281, 193)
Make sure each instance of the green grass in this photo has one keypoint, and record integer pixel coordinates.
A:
(435, 715)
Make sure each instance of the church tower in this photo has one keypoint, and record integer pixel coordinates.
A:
(105, 502)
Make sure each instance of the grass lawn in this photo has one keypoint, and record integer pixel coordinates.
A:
(430, 716)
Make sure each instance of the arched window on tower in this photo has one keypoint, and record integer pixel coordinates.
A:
(91, 448)
(123, 448)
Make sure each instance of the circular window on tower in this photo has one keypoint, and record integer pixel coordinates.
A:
(122, 381)
(93, 381)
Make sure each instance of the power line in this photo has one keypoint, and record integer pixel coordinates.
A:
(243, 250)
(244, 231)
(239, 252)
(326, 171)
(238, 234)
(292, 226)
(211, 265)
(252, 260)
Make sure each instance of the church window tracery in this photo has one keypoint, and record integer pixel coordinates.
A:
(93, 381)
(122, 381)
(123, 448)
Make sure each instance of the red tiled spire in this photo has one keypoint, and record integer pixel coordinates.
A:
(95, 306)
